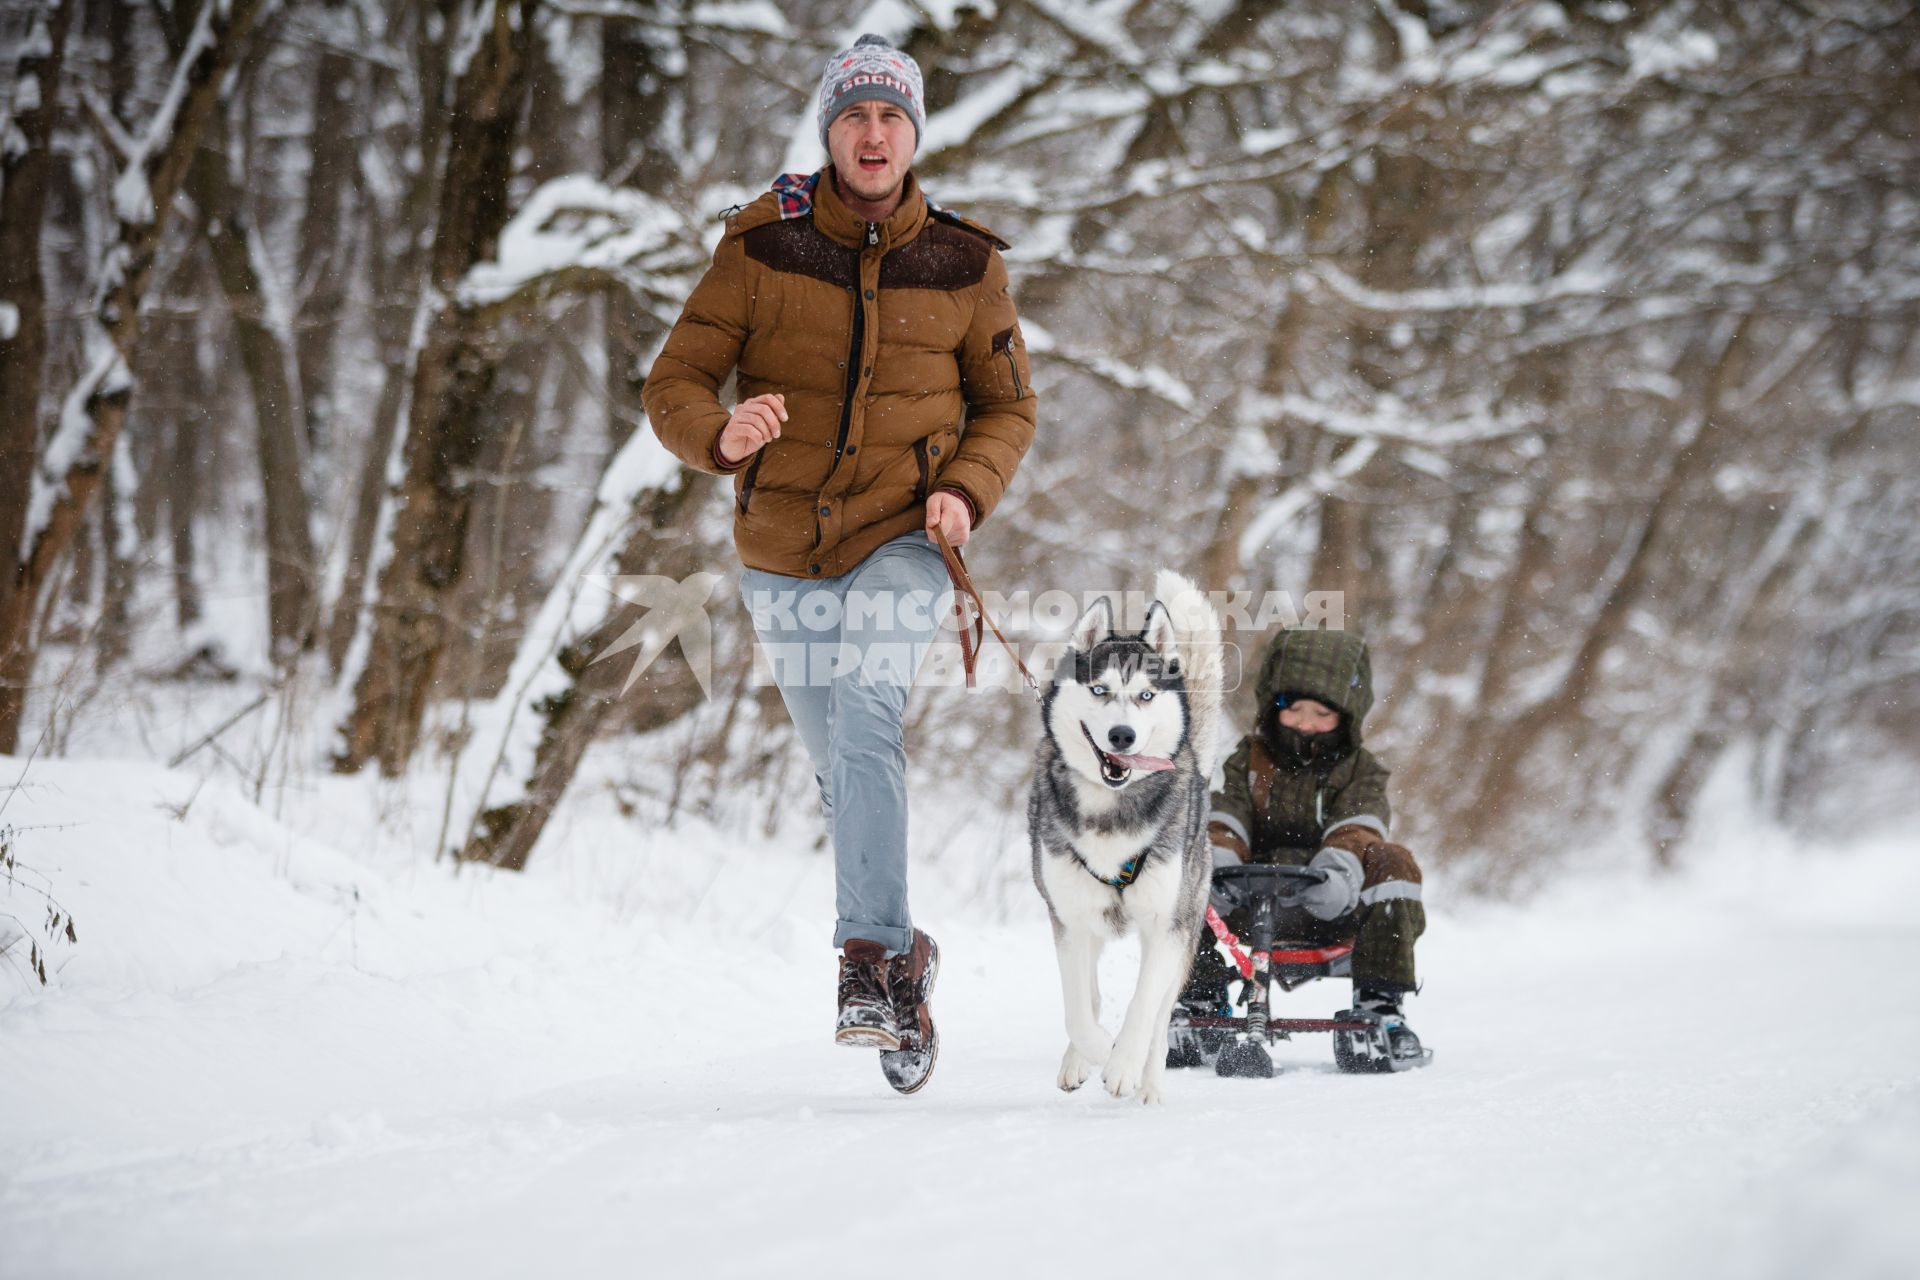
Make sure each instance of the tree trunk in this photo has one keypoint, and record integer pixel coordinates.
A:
(1515, 644)
(119, 541)
(632, 99)
(323, 257)
(504, 834)
(183, 482)
(1221, 564)
(1757, 625)
(24, 175)
(267, 361)
(413, 619)
(1497, 795)
(369, 496)
(1344, 559)
(529, 411)
(83, 443)
(401, 257)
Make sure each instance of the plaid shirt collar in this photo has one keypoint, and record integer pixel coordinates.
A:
(795, 191)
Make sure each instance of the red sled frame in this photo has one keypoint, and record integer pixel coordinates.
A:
(1289, 967)
(1360, 1041)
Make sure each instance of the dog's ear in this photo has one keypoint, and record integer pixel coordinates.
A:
(1162, 638)
(1097, 621)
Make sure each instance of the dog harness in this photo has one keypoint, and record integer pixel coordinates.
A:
(1129, 870)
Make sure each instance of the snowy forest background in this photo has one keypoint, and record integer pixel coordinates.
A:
(1574, 342)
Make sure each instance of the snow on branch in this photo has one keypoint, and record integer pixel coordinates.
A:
(1388, 419)
(945, 15)
(1302, 494)
(119, 141)
(754, 17)
(579, 227)
(477, 23)
(1571, 284)
(747, 17)
(1102, 27)
(67, 449)
(1160, 178)
(1134, 377)
(133, 199)
(956, 125)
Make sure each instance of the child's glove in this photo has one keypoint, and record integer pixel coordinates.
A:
(1339, 893)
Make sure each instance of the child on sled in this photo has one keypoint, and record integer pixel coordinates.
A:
(1301, 790)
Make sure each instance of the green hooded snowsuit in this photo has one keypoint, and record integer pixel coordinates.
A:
(1273, 807)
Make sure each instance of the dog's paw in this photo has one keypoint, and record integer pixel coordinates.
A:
(1123, 1077)
(1074, 1070)
(1156, 1075)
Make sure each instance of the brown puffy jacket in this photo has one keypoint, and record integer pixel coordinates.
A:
(899, 353)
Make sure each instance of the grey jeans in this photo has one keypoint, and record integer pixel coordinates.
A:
(844, 652)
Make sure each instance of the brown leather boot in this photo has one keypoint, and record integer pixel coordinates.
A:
(910, 980)
(866, 1005)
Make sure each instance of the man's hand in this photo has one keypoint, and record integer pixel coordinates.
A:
(948, 512)
(753, 424)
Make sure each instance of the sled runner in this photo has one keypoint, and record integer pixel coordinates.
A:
(1236, 1044)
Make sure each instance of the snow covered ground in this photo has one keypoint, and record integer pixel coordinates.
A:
(294, 1046)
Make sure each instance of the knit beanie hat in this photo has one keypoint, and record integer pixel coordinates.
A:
(871, 69)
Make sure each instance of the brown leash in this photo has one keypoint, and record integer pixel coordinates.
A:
(973, 632)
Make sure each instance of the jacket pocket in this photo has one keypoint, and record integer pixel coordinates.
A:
(1003, 346)
(747, 479)
(920, 459)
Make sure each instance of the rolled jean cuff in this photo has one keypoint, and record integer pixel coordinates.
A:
(896, 941)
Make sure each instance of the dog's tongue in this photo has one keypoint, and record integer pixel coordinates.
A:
(1152, 764)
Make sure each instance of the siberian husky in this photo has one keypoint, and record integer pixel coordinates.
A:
(1118, 820)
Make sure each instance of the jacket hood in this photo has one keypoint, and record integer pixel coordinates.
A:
(1328, 666)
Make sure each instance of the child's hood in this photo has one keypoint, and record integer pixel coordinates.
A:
(1327, 666)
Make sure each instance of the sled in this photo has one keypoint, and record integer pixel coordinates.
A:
(1235, 1045)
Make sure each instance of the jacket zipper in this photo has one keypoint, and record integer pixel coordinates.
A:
(1014, 369)
(746, 481)
(853, 358)
(920, 456)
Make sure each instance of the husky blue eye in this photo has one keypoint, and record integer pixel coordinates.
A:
(1146, 695)
(1099, 691)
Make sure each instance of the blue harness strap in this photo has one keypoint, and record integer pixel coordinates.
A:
(1129, 870)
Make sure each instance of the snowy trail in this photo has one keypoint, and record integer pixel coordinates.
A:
(1697, 1078)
